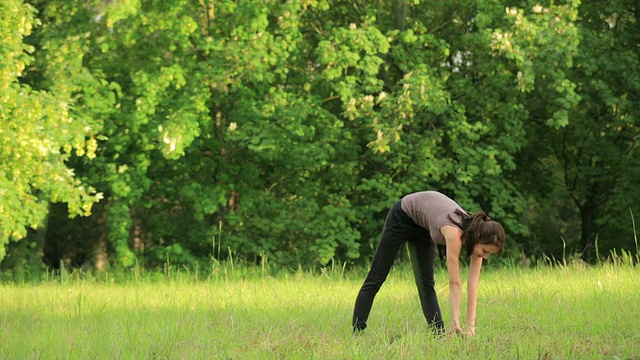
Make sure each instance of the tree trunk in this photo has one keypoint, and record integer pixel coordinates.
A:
(400, 14)
(588, 229)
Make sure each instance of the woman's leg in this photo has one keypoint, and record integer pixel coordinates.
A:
(423, 254)
(393, 236)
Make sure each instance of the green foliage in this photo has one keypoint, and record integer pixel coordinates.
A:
(285, 130)
(39, 132)
(588, 161)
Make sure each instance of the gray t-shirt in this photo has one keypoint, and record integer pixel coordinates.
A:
(431, 210)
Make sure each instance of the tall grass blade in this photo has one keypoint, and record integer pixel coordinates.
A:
(635, 234)
(564, 252)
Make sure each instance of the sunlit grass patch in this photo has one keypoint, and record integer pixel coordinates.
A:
(554, 313)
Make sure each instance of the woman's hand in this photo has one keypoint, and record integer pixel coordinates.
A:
(471, 331)
(457, 330)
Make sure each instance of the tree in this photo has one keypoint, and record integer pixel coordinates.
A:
(591, 159)
(39, 134)
(283, 131)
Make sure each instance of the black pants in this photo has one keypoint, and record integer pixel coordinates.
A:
(398, 230)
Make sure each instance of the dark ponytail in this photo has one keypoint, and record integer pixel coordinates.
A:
(478, 228)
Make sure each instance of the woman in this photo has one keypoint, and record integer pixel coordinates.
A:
(422, 220)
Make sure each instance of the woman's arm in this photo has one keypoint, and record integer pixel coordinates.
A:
(472, 292)
(454, 244)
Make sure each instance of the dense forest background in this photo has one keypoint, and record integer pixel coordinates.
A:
(133, 132)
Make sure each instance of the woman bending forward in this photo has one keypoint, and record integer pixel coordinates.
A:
(422, 220)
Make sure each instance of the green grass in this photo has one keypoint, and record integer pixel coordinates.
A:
(570, 312)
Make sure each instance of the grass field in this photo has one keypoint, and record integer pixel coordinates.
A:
(572, 312)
